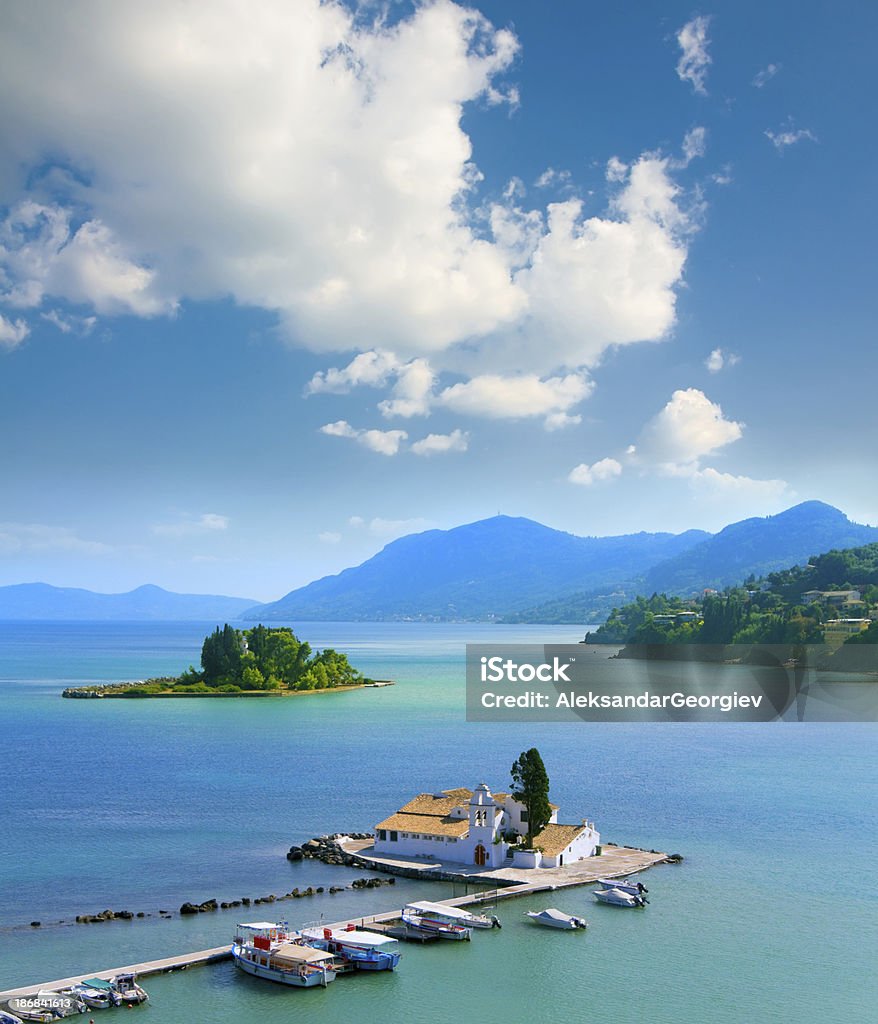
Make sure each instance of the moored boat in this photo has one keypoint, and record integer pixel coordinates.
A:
(266, 950)
(634, 888)
(432, 925)
(126, 988)
(619, 898)
(97, 994)
(552, 918)
(9, 1018)
(454, 915)
(367, 951)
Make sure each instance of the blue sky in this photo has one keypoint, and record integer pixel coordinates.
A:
(277, 287)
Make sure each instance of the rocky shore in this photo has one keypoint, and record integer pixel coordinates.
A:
(328, 849)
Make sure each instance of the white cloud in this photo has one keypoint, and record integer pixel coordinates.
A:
(412, 392)
(718, 360)
(370, 368)
(189, 526)
(25, 538)
(694, 144)
(694, 59)
(434, 444)
(560, 421)
(585, 475)
(689, 427)
(497, 397)
(789, 136)
(765, 75)
(345, 197)
(329, 537)
(385, 442)
(616, 169)
(82, 325)
(42, 253)
(12, 332)
(729, 485)
(552, 177)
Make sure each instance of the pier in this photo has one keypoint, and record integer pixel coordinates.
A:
(614, 862)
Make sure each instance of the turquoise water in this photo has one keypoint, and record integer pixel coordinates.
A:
(142, 805)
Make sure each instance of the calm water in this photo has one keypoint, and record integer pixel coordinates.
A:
(142, 805)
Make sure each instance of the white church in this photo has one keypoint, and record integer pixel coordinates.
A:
(479, 827)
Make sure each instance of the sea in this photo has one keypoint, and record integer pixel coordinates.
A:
(142, 805)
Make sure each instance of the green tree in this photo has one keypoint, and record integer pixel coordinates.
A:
(530, 786)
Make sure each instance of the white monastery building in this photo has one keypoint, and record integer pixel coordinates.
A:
(477, 827)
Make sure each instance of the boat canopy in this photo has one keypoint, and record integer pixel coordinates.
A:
(97, 983)
(262, 926)
(555, 915)
(372, 939)
(289, 952)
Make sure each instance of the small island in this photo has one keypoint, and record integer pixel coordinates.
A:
(259, 662)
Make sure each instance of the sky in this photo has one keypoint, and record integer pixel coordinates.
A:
(282, 282)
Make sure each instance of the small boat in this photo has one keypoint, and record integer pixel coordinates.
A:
(270, 951)
(126, 988)
(9, 1018)
(553, 918)
(453, 915)
(634, 888)
(432, 925)
(619, 898)
(26, 1009)
(97, 994)
(367, 951)
(63, 1003)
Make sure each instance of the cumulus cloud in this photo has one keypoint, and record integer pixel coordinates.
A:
(67, 324)
(189, 526)
(729, 485)
(616, 169)
(585, 475)
(694, 58)
(689, 427)
(551, 177)
(384, 442)
(412, 392)
(435, 444)
(12, 332)
(765, 75)
(718, 360)
(497, 397)
(370, 368)
(789, 136)
(43, 253)
(329, 537)
(312, 162)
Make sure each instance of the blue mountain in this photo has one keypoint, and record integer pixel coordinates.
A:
(42, 601)
(478, 571)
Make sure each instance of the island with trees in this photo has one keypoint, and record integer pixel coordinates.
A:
(258, 662)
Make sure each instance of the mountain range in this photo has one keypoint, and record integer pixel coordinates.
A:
(503, 568)
(518, 570)
(42, 601)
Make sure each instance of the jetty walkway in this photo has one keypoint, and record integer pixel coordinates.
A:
(614, 862)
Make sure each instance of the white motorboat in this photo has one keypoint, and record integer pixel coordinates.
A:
(618, 898)
(9, 1018)
(367, 951)
(634, 888)
(97, 994)
(432, 925)
(267, 950)
(454, 915)
(62, 1004)
(126, 988)
(552, 918)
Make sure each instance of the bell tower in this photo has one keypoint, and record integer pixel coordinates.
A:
(482, 812)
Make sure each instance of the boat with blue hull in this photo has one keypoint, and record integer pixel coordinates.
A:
(268, 950)
(366, 951)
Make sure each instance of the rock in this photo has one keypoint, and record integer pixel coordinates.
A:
(124, 915)
(140, 913)
(224, 906)
(35, 924)
(245, 902)
(208, 905)
(189, 908)
(295, 853)
(312, 844)
(319, 889)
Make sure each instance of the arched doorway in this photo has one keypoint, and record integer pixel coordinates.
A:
(481, 855)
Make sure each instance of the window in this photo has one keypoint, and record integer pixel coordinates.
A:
(393, 837)
(524, 816)
(382, 834)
